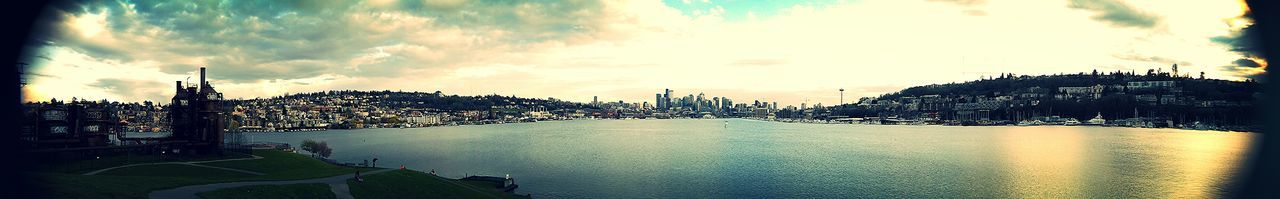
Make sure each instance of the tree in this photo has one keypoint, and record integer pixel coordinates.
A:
(310, 146)
(323, 149)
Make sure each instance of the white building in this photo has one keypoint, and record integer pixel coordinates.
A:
(1150, 84)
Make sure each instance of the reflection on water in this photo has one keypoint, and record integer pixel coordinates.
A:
(1110, 162)
(753, 159)
(1044, 163)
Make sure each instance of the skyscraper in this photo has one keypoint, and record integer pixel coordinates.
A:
(667, 98)
(715, 104)
(698, 103)
(657, 101)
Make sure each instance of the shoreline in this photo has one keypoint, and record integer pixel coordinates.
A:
(1010, 125)
(786, 121)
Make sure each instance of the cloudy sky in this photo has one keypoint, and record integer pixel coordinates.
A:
(786, 51)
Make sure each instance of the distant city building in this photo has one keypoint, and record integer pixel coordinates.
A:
(1150, 84)
(659, 102)
(1083, 92)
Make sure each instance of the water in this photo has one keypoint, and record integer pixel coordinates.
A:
(755, 159)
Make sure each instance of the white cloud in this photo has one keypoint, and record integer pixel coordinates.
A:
(631, 49)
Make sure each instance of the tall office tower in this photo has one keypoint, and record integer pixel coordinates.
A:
(715, 104)
(667, 98)
(688, 100)
(657, 101)
(727, 104)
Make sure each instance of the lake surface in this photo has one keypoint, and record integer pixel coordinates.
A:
(757, 159)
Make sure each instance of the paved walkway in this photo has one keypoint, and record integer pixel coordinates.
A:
(192, 163)
(337, 184)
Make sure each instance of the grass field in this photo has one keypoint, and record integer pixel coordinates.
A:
(314, 190)
(280, 165)
(137, 181)
(415, 184)
(177, 171)
(102, 162)
(59, 185)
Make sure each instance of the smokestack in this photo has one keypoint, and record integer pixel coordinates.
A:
(202, 83)
(179, 86)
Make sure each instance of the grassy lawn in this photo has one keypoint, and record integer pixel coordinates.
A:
(415, 184)
(280, 165)
(315, 190)
(136, 182)
(84, 166)
(59, 185)
(178, 171)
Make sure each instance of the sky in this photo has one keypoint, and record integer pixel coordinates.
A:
(789, 52)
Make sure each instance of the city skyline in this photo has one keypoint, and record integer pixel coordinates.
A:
(786, 52)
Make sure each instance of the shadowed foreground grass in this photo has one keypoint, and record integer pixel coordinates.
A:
(138, 181)
(102, 162)
(177, 171)
(280, 165)
(415, 184)
(312, 190)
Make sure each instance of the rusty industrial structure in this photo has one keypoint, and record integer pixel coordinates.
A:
(196, 116)
(74, 124)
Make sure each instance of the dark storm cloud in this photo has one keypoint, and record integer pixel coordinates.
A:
(1246, 42)
(263, 40)
(535, 20)
(1247, 63)
(1117, 13)
(1246, 68)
